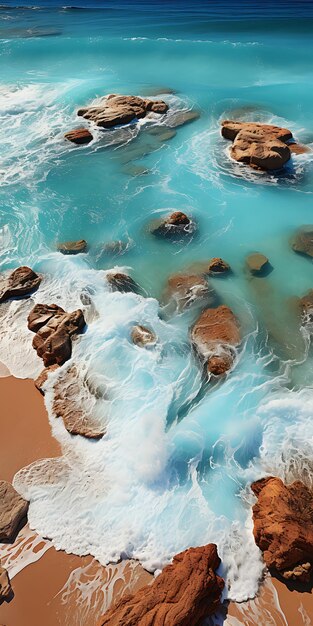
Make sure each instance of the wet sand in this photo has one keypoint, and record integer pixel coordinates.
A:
(65, 590)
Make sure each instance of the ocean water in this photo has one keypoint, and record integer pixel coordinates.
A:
(175, 466)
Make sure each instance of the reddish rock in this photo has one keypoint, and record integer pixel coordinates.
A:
(298, 148)
(115, 110)
(231, 128)
(43, 377)
(183, 290)
(303, 241)
(6, 592)
(214, 336)
(122, 282)
(72, 247)
(142, 336)
(54, 329)
(218, 266)
(22, 282)
(175, 225)
(13, 511)
(283, 526)
(80, 136)
(306, 306)
(257, 263)
(184, 594)
(269, 155)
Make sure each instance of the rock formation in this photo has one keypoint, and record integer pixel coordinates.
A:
(22, 282)
(115, 110)
(283, 527)
(6, 592)
(184, 594)
(72, 247)
(218, 266)
(142, 336)
(184, 290)
(174, 226)
(258, 264)
(261, 146)
(215, 335)
(122, 282)
(13, 511)
(43, 377)
(54, 329)
(80, 136)
(302, 241)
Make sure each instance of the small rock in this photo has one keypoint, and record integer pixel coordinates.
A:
(22, 282)
(218, 266)
(303, 241)
(174, 226)
(6, 592)
(79, 136)
(143, 336)
(215, 334)
(73, 247)
(184, 290)
(13, 511)
(257, 264)
(122, 282)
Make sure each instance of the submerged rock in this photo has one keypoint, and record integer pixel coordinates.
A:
(13, 511)
(303, 241)
(115, 110)
(298, 148)
(124, 283)
(72, 247)
(215, 335)
(142, 336)
(257, 264)
(184, 593)
(262, 146)
(54, 329)
(174, 226)
(183, 117)
(306, 306)
(184, 290)
(21, 282)
(6, 592)
(283, 527)
(80, 136)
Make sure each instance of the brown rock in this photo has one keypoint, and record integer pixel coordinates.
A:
(306, 306)
(54, 329)
(283, 526)
(257, 263)
(142, 336)
(115, 110)
(231, 128)
(72, 247)
(218, 266)
(6, 592)
(74, 403)
(13, 511)
(184, 594)
(303, 241)
(122, 282)
(174, 226)
(186, 289)
(43, 377)
(298, 148)
(269, 155)
(214, 336)
(22, 282)
(79, 136)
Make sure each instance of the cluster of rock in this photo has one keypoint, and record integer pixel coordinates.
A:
(262, 146)
(13, 516)
(184, 593)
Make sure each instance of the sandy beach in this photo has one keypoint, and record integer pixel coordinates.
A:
(60, 589)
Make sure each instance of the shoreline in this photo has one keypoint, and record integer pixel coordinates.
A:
(59, 589)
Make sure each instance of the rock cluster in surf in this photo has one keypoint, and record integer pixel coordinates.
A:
(54, 329)
(115, 110)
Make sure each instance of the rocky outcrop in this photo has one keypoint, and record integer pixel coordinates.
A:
(257, 264)
(184, 290)
(142, 336)
(54, 329)
(80, 136)
(302, 241)
(177, 225)
(215, 335)
(184, 593)
(72, 247)
(43, 377)
(6, 592)
(261, 146)
(74, 404)
(283, 527)
(124, 283)
(22, 282)
(13, 511)
(116, 110)
(218, 266)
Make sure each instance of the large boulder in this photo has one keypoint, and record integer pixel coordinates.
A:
(22, 282)
(302, 241)
(6, 592)
(13, 511)
(177, 225)
(72, 247)
(80, 136)
(184, 290)
(115, 110)
(184, 594)
(283, 527)
(262, 146)
(215, 335)
(54, 329)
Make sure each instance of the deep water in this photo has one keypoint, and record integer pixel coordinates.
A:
(175, 466)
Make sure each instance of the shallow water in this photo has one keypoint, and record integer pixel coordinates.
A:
(175, 466)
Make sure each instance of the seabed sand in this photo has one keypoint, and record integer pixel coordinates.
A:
(60, 589)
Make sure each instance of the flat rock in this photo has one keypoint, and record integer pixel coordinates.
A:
(184, 594)
(6, 592)
(283, 527)
(215, 335)
(257, 263)
(54, 329)
(116, 110)
(72, 247)
(124, 283)
(218, 266)
(177, 225)
(303, 241)
(80, 136)
(184, 290)
(21, 282)
(142, 336)
(231, 128)
(13, 510)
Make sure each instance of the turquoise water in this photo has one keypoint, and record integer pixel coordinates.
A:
(175, 467)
